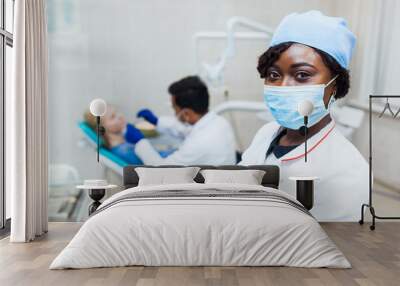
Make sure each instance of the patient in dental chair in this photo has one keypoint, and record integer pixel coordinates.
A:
(115, 125)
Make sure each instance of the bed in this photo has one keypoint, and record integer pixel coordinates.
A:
(201, 224)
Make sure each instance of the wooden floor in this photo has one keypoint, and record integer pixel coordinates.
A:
(375, 257)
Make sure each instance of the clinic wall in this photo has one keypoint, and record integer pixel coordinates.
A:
(128, 52)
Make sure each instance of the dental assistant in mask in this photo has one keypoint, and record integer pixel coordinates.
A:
(308, 60)
(207, 137)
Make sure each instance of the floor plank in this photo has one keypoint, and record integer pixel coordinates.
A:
(375, 257)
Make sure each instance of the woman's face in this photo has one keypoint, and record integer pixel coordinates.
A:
(300, 65)
(113, 121)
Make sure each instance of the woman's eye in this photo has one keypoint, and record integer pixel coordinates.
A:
(302, 75)
(273, 75)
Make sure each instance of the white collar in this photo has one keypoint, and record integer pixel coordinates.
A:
(312, 143)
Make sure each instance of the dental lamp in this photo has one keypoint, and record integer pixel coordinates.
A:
(305, 108)
(98, 108)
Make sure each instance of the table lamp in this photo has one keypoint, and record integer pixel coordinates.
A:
(305, 108)
(98, 108)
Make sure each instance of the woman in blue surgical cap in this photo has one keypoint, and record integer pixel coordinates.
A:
(308, 60)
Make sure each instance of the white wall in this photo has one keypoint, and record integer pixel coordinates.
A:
(128, 52)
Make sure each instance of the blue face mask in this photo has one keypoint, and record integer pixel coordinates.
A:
(283, 103)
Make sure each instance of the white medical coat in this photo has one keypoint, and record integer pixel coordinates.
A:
(342, 171)
(210, 141)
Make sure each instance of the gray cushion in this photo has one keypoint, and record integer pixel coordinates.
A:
(166, 176)
(270, 179)
(248, 177)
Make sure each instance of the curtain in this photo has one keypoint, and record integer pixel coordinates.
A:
(374, 68)
(26, 123)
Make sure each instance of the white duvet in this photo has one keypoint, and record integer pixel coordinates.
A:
(185, 231)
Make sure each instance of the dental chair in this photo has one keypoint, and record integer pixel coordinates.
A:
(110, 160)
(106, 157)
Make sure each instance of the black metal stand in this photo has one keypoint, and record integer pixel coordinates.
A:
(369, 205)
(305, 137)
(96, 195)
(100, 132)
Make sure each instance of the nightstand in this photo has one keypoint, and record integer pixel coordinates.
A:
(97, 190)
(305, 190)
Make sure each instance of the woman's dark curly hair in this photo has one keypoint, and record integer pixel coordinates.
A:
(267, 59)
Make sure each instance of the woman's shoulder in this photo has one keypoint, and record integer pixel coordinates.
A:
(266, 129)
(265, 133)
(252, 154)
(345, 148)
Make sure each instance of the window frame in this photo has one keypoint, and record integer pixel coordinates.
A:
(6, 39)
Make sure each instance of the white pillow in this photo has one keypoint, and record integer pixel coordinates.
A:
(166, 176)
(248, 177)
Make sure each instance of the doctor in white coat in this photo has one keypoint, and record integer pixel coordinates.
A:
(308, 60)
(207, 138)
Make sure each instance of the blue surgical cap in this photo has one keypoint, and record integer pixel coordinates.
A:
(314, 29)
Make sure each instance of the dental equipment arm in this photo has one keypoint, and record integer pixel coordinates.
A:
(240, 105)
(213, 72)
